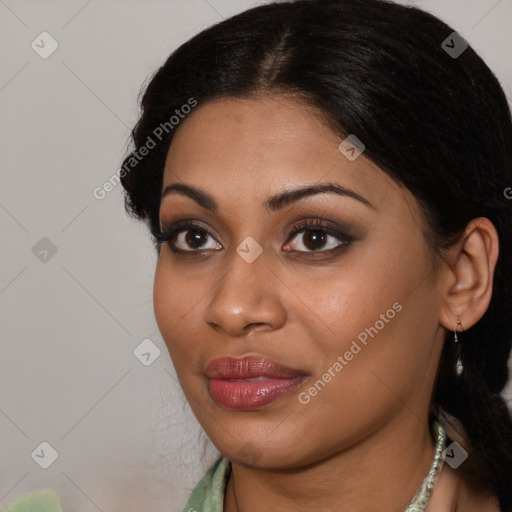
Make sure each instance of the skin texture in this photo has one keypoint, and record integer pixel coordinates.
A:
(367, 428)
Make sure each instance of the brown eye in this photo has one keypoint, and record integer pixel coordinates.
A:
(313, 236)
(186, 236)
(195, 238)
(314, 240)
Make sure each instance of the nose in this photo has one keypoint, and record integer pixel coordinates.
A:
(247, 298)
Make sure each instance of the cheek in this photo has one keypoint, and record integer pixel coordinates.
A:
(163, 297)
(380, 315)
(344, 302)
(174, 300)
(383, 326)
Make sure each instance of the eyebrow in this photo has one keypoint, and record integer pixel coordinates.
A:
(274, 203)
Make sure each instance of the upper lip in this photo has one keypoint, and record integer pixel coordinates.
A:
(249, 367)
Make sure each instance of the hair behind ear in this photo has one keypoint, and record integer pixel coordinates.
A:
(483, 420)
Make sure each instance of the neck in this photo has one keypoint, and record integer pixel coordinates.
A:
(382, 472)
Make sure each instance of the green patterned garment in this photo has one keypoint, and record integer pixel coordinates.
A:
(44, 500)
(208, 494)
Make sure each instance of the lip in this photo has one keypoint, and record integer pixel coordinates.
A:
(250, 382)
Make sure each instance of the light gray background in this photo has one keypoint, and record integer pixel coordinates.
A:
(126, 440)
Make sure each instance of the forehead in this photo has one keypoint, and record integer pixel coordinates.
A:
(267, 130)
(259, 146)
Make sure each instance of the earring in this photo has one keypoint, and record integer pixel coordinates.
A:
(459, 325)
(459, 367)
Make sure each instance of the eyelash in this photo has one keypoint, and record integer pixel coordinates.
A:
(167, 235)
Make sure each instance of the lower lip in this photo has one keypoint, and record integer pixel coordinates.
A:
(250, 394)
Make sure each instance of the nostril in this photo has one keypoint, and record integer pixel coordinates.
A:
(259, 326)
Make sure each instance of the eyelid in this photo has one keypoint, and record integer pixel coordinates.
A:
(173, 225)
(169, 230)
(320, 224)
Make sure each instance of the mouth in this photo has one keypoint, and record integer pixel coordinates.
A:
(250, 382)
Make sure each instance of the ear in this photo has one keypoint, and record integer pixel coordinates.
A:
(467, 281)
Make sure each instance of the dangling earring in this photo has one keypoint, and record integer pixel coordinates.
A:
(459, 325)
(459, 367)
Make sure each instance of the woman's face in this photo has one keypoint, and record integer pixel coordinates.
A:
(349, 302)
